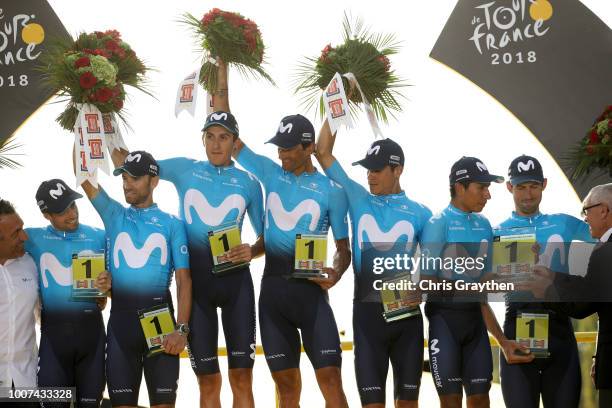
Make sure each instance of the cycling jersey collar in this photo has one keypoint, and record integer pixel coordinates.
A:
(451, 208)
(65, 234)
(303, 174)
(530, 218)
(219, 169)
(152, 207)
(393, 196)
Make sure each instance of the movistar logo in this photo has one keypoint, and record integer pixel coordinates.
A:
(481, 167)
(433, 349)
(530, 165)
(131, 157)
(209, 214)
(285, 128)
(374, 150)
(218, 116)
(287, 220)
(368, 224)
(60, 273)
(58, 191)
(138, 257)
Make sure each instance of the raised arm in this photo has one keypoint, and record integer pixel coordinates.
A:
(325, 146)
(89, 189)
(221, 94)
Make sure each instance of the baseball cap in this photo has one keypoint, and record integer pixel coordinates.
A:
(292, 131)
(471, 169)
(138, 163)
(525, 168)
(54, 196)
(223, 119)
(382, 153)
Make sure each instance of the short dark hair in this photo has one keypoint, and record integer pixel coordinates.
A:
(453, 192)
(6, 208)
(305, 145)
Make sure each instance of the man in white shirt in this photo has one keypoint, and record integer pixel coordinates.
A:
(18, 304)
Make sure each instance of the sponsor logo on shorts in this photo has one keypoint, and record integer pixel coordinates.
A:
(410, 386)
(121, 390)
(371, 388)
(330, 351)
(238, 353)
(479, 380)
(87, 399)
(208, 358)
(165, 390)
(270, 357)
(455, 379)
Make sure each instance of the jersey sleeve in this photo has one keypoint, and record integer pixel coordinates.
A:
(255, 208)
(108, 208)
(425, 215)
(260, 166)
(433, 239)
(171, 169)
(580, 230)
(30, 242)
(352, 188)
(338, 209)
(178, 245)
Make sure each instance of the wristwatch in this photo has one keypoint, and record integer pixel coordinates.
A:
(183, 329)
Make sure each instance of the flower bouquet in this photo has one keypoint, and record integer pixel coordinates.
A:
(93, 70)
(594, 151)
(366, 56)
(231, 37)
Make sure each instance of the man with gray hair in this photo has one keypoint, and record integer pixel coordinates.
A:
(593, 292)
(18, 304)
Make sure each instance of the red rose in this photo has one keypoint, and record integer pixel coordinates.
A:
(113, 33)
(82, 62)
(118, 103)
(101, 52)
(593, 137)
(87, 80)
(590, 150)
(104, 94)
(111, 45)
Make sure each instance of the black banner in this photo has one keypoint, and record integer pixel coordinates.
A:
(26, 28)
(548, 62)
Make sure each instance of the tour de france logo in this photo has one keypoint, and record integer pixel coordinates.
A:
(498, 25)
(20, 38)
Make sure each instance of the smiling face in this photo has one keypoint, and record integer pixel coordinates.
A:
(219, 144)
(65, 221)
(527, 196)
(12, 236)
(294, 159)
(138, 190)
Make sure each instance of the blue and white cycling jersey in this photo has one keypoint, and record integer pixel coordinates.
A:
(145, 246)
(306, 204)
(473, 235)
(379, 219)
(554, 233)
(212, 196)
(52, 252)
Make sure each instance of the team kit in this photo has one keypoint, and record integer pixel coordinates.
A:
(291, 207)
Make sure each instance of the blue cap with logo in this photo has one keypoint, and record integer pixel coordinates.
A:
(54, 196)
(292, 131)
(524, 169)
(472, 170)
(382, 153)
(223, 119)
(138, 163)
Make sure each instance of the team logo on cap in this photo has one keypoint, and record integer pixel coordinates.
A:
(282, 128)
(521, 167)
(218, 116)
(57, 192)
(374, 150)
(481, 166)
(130, 158)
